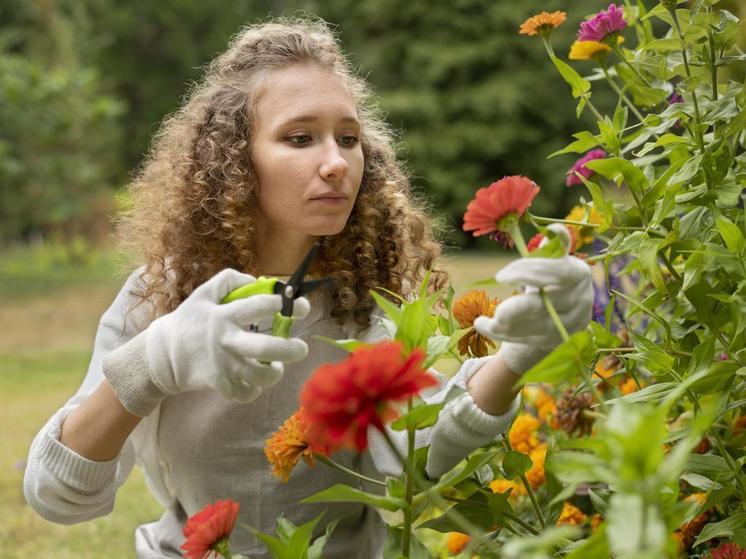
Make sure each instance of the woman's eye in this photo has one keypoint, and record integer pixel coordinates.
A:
(349, 140)
(299, 140)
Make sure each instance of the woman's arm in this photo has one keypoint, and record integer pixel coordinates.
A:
(99, 427)
(492, 386)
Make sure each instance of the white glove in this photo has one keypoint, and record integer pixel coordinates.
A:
(522, 321)
(204, 344)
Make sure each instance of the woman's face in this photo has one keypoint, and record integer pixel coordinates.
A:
(306, 152)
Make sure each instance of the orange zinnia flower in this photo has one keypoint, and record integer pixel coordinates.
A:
(535, 474)
(502, 485)
(286, 447)
(509, 197)
(544, 22)
(628, 386)
(457, 542)
(466, 309)
(570, 515)
(522, 434)
(209, 529)
(341, 400)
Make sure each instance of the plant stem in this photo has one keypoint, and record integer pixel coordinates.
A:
(520, 244)
(409, 491)
(697, 118)
(635, 71)
(332, 464)
(613, 349)
(534, 502)
(621, 93)
(713, 65)
(539, 219)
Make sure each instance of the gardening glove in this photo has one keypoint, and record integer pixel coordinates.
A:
(522, 322)
(205, 344)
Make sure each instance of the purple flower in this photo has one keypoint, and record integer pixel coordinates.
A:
(579, 166)
(602, 25)
(675, 98)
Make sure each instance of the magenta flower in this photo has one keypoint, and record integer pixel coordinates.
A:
(675, 98)
(603, 24)
(579, 166)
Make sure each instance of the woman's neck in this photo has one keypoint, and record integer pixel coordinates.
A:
(281, 255)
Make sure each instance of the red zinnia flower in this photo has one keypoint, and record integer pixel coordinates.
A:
(210, 528)
(341, 400)
(510, 196)
(728, 550)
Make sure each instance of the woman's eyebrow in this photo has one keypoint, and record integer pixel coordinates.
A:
(314, 118)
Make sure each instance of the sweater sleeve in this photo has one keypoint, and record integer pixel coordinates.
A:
(60, 484)
(462, 426)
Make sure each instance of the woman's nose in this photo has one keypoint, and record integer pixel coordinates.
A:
(333, 166)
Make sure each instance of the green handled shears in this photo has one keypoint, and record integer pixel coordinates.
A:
(289, 292)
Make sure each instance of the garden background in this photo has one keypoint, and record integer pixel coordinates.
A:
(83, 85)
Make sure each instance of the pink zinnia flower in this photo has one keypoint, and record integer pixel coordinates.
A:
(579, 167)
(510, 196)
(603, 24)
(728, 550)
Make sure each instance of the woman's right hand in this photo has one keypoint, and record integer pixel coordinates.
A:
(205, 344)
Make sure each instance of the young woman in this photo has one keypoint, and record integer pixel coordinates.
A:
(277, 148)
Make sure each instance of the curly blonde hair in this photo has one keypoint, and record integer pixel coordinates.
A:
(194, 195)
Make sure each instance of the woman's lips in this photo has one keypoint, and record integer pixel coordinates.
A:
(331, 200)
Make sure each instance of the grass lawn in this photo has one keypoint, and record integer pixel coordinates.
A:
(47, 337)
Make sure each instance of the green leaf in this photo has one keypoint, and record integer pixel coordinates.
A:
(596, 545)
(392, 310)
(475, 461)
(347, 345)
(600, 202)
(566, 362)
(419, 417)
(648, 258)
(620, 170)
(585, 141)
(651, 355)
(634, 528)
(730, 233)
(515, 464)
(480, 509)
(578, 84)
(314, 552)
(345, 493)
(733, 527)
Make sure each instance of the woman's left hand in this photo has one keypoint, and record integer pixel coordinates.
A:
(523, 320)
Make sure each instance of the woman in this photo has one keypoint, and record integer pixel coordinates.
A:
(276, 149)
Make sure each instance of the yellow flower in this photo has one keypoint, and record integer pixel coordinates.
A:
(584, 235)
(535, 474)
(502, 485)
(286, 447)
(570, 515)
(586, 50)
(457, 542)
(542, 23)
(628, 386)
(465, 310)
(522, 434)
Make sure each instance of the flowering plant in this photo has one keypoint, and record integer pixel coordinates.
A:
(629, 443)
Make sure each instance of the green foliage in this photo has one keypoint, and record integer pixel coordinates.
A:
(294, 542)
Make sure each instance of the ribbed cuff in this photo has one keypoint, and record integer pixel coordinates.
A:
(470, 421)
(521, 357)
(72, 469)
(128, 371)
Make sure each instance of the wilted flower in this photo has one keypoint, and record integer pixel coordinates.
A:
(504, 200)
(209, 529)
(457, 542)
(287, 446)
(603, 25)
(522, 434)
(341, 400)
(583, 234)
(545, 22)
(572, 413)
(587, 50)
(687, 534)
(466, 309)
(570, 515)
(579, 167)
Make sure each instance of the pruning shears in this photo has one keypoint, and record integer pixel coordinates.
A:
(289, 292)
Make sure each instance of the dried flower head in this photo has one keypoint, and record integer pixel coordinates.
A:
(579, 167)
(465, 310)
(542, 23)
(503, 200)
(572, 413)
(288, 445)
(603, 26)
